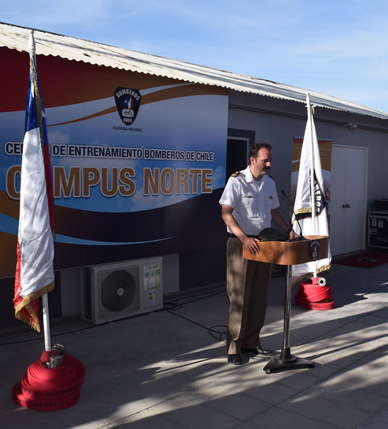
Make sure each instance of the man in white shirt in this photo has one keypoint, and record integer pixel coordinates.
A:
(249, 204)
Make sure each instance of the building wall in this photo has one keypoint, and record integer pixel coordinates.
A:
(274, 121)
(277, 122)
(156, 204)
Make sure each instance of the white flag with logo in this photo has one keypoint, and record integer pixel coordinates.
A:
(305, 221)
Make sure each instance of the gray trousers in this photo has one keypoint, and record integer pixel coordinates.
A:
(247, 284)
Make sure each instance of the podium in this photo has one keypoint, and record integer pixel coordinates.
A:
(298, 251)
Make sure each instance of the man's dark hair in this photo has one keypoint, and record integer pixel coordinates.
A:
(254, 150)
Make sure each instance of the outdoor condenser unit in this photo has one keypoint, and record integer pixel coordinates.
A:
(118, 290)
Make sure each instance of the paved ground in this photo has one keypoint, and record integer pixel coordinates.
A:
(168, 369)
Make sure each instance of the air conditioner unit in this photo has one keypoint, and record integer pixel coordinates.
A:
(118, 290)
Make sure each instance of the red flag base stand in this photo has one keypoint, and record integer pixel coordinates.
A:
(315, 296)
(52, 383)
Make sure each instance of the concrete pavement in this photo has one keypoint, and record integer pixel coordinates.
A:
(168, 369)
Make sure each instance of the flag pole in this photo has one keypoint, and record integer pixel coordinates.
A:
(46, 323)
(312, 170)
(54, 381)
(45, 306)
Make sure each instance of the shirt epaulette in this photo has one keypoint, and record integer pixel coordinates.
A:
(237, 173)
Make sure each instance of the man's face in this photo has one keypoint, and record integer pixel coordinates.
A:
(262, 164)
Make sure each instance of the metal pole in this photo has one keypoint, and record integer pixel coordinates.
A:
(285, 355)
(285, 360)
(46, 323)
(45, 307)
(312, 172)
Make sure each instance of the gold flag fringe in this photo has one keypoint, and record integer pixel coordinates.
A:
(32, 320)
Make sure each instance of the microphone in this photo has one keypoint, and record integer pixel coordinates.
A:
(283, 192)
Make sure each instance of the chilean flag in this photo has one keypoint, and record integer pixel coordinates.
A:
(35, 247)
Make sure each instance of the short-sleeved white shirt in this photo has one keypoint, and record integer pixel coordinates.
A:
(252, 201)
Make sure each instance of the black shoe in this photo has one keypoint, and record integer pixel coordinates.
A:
(235, 359)
(262, 352)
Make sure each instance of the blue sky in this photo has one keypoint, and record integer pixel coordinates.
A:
(339, 47)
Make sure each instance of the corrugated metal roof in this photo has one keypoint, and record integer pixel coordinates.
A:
(15, 37)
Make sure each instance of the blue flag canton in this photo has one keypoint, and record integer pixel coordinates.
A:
(33, 109)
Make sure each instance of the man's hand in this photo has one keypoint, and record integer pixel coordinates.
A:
(252, 245)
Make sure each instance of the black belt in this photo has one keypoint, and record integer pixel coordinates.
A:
(250, 236)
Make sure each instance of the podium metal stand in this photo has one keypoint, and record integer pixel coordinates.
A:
(289, 253)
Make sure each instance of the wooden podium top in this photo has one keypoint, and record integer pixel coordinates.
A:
(315, 247)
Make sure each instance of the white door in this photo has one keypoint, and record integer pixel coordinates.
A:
(348, 190)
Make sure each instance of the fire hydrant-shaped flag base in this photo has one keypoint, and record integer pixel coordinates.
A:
(52, 383)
